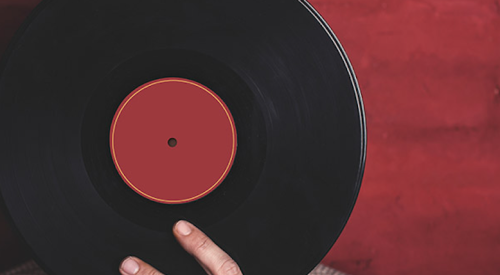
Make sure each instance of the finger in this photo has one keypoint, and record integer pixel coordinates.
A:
(135, 266)
(213, 259)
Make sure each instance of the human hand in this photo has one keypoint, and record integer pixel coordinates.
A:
(205, 251)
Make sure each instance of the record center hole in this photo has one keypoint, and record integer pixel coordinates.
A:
(172, 142)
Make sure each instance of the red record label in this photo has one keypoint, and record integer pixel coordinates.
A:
(173, 140)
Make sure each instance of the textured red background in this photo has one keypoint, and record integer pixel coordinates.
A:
(429, 72)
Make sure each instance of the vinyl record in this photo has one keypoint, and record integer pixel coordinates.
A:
(119, 118)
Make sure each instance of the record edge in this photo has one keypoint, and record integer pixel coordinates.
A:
(3, 64)
(361, 113)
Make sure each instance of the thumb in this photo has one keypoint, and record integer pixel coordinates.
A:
(135, 266)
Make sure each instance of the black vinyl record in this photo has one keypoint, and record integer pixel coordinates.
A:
(277, 66)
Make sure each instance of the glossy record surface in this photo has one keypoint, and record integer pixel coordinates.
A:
(285, 79)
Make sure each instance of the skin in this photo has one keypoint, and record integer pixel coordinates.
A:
(213, 259)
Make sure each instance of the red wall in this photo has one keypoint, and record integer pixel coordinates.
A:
(429, 72)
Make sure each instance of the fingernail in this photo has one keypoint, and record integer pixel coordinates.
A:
(183, 228)
(130, 266)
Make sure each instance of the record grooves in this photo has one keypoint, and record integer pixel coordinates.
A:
(154, 65)
(298, 118)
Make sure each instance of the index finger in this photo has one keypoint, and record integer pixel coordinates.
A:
(213, 259)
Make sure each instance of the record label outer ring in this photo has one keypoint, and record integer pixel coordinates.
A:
(173, 140)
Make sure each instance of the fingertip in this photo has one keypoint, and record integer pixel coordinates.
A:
(129, 266)
(183, 228)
